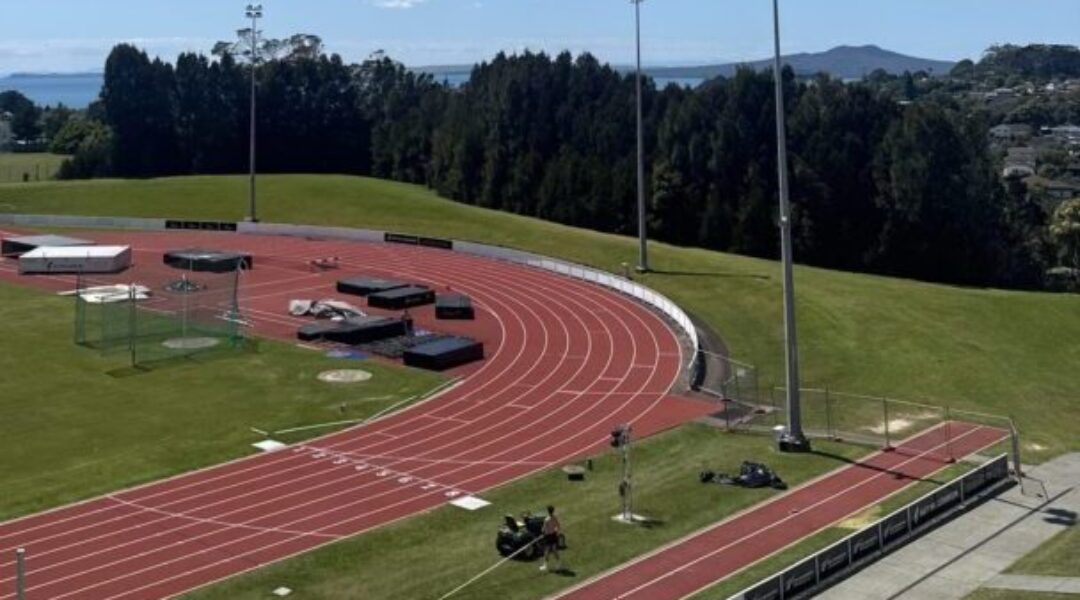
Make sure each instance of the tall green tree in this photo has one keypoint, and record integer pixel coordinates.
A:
(140, 110)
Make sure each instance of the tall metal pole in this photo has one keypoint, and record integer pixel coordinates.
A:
(254, 13)
(794, 438)
(643, 256)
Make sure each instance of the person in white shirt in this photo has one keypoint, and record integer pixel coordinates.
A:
(552, 529)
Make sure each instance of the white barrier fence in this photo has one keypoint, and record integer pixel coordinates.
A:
(569, 269)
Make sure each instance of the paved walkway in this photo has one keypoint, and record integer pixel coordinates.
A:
(971, 551)
(1035, 583)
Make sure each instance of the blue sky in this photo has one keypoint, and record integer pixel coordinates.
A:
(75, 35)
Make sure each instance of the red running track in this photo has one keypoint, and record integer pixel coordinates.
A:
(566, 362)
(704, 558)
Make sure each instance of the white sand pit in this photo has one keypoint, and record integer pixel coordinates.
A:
(190, 343)
(344, 376)
(895, 426)
(860, 520)
(901, 424)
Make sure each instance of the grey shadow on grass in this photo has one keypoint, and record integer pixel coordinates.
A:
(715, 274)
(564, 572)
(204, 357)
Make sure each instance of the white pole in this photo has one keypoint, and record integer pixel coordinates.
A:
(643, 243)
(794, 437)
(254, 13)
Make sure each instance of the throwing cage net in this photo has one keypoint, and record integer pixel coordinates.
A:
(152, 315)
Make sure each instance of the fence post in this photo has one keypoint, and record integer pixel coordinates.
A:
(948, 435)
(132, 326)
(1014, 436)
(885, 413)
(828, 416)
(772, 405)
(738, 394)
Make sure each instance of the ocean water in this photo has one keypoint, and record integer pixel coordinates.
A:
(457, 79)
(74, 91)
(78, 91)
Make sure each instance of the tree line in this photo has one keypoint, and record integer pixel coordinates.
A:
(880, 183)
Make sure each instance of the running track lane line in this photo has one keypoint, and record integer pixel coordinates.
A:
(287, 541)
(634, 314)
(676, 570)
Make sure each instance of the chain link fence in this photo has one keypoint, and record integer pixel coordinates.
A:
(158, 314)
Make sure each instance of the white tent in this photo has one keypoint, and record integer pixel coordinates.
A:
(76, 259)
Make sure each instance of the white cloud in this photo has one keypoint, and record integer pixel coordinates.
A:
(86, 54)
(397, 3)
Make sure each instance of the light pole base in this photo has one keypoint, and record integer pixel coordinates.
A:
(793, 443)
(642, 269)
(251, 220)
(632, 520)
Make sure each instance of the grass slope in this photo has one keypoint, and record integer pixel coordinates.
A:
(427, 556)
(1058, 557)
(992, 594)
(982, 349)
(76, 424)
(34, 166)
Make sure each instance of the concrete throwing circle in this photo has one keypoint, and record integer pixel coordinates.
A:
(344, 376)
(190, 343)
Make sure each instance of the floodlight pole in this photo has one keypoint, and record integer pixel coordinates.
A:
(794, 439)
(643, 255)
(253, 12)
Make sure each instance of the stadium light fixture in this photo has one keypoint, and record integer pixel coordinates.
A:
(253, 12)
(643, 256)
(793, 439)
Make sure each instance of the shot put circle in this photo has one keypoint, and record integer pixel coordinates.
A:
(190, 343)
(344, 376)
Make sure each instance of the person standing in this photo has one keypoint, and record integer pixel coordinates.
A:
(551, 531)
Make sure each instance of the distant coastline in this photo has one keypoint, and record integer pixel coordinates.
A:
(78, 90)
(52, 75)
(74, 90)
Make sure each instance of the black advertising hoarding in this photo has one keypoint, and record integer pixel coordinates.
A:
(401, 238)
(997, 469)
(766, 590)
(894, 528)
(864, 544)
(437, 243)
(200, 225)
(800, 578)
(929, 507)
(415, 240)
(832, 561)
(973, 482)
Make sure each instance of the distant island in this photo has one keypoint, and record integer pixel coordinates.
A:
(843, 62)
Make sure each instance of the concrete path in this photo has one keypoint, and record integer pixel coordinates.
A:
(1035, 583)
(972, 550)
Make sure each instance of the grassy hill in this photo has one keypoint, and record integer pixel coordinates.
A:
(31, 166)
(998, 351)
